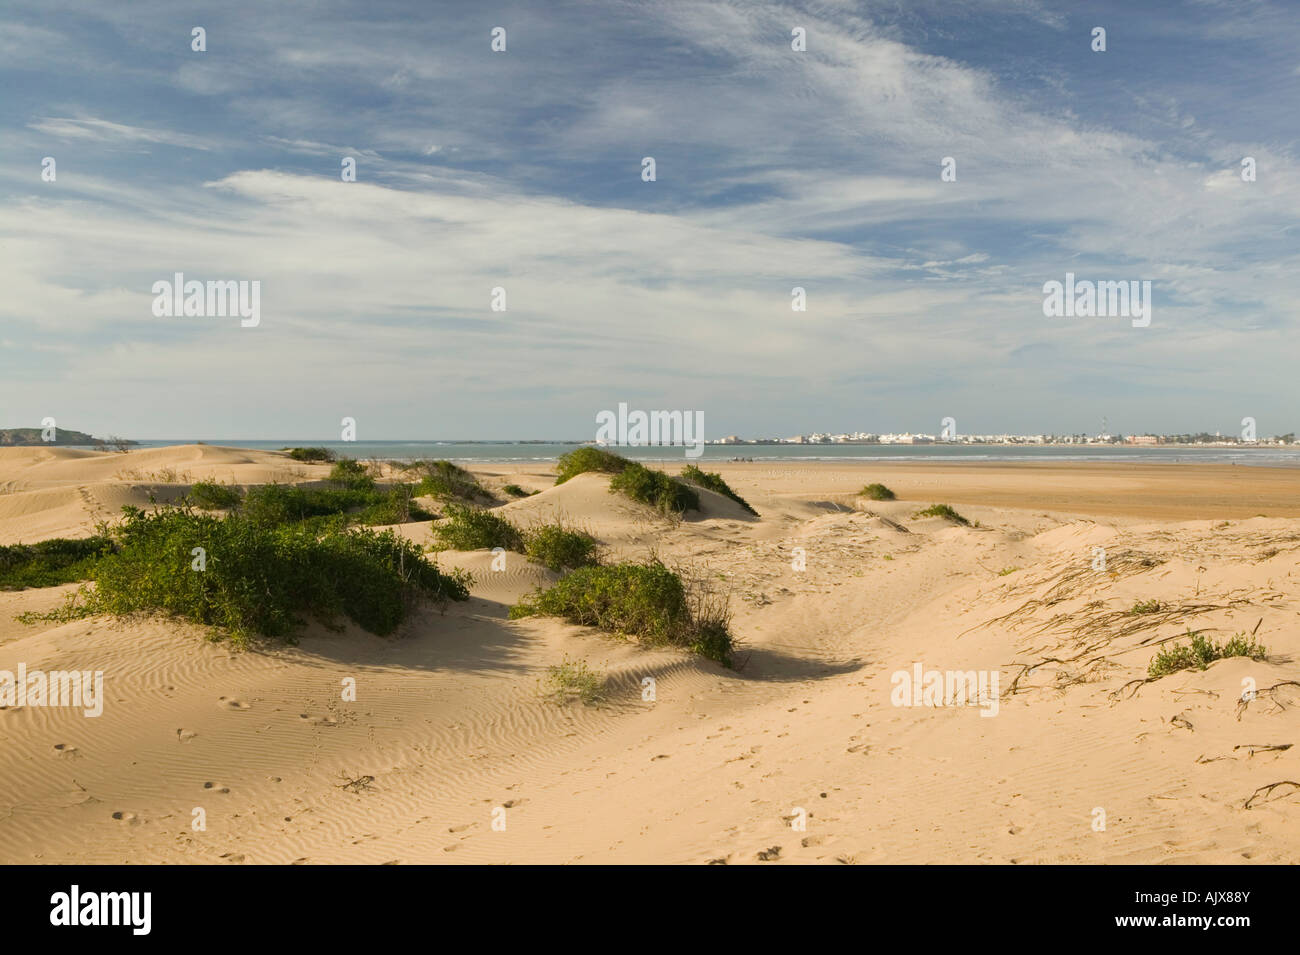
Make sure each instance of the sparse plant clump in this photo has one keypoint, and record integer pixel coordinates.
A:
(470, 529)
(573, 678)
(944, 511)
(877, 492)
(447, 481)
(558, 548)
(584, 459)
(211, 496)
(1201, 652)
(514, 490)
(51, 562)
(1145, 607)
(713, 481)
(276, 504)
(646, 601)
(394, 506)
(260, 580)
(311, 455)
(655, 488)
(352, 475)
(1007, 570)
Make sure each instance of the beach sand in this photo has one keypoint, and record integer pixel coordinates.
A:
(799, 755)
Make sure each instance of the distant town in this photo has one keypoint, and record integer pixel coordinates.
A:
(1202, 439)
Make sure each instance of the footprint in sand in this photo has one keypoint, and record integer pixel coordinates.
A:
(184, 736)
(770, 854)
(318, 720)
(66, 749)
(216, 788)
(230, 703)
(129, 818)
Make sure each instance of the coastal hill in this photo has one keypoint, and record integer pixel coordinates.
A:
(31, 437)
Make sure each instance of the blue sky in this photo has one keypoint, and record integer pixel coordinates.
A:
(522, 169)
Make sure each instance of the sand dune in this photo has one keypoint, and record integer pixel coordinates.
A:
(448, 725)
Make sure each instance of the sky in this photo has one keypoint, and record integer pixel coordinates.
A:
(522, 169)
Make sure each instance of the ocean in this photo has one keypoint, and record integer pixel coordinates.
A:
(537, 451)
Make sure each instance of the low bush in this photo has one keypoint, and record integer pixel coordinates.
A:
(470, 529)
(212, 496)
(646, 601)
(311, 455)
(447, 481)
(714, 482)
(352, 475)
(51, 562)
(1201, 652)
(253, 579)
(877, 492)
(559, 548)
(588, 458)
(276, 504)
(655, 488)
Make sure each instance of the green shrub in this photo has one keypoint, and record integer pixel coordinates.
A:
(447, 481)
(714, 482)
(1201, 652)
(514, 490)
(259, 579)
(655, 488)
(588, 458)
(944, 511)
(50, 562)
(558, 548)
(647, 601)
(394, 506)
(877, 492)
(276, 504)
(311, 455)
(471, 529)
(352, 475)
(212, 496)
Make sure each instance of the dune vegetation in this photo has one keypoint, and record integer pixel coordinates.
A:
(50, 562)
(877, 492)
(1200, 652)
(712, 481)
(249, 579)
(942, 510)
(647, 601)
(587, 458)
